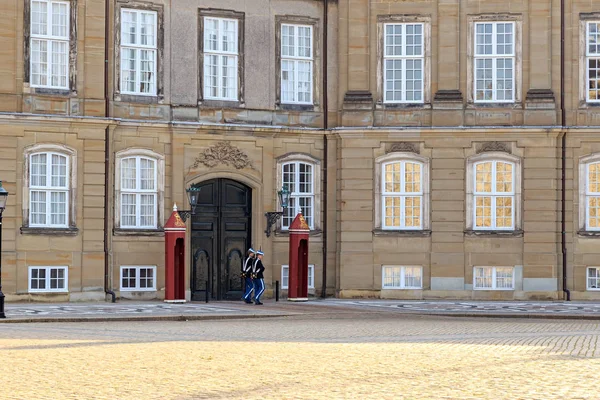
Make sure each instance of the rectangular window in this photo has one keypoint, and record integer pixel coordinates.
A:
(138, 193)
(48, 190)
(494, 59)
(296, 64)
(592, 194)
(592, 61)
(138, 278)
(399, 277)
(494, 196)
(49, 46)
(138, 52)
(285, 276)
(403, 61)
(220, 58)
(299, 179)
(48, 279)
(402, 195)
(493, 278)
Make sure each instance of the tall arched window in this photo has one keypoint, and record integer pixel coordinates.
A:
(494, 192)
(139, 187)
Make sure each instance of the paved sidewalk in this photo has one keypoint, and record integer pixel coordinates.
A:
(154, 310)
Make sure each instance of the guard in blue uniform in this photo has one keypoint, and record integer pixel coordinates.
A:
(247, 275)
(259, 279)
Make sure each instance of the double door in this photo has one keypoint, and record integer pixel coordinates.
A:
(221, 231)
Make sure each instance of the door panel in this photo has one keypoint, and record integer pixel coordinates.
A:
(220, 237)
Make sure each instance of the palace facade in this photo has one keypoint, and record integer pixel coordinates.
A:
(436, 148)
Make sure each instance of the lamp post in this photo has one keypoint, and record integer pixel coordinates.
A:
(3, 198)
(193, 194)
(273, 216)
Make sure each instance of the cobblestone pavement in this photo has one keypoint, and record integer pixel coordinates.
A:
(125, 310)
(349, 355)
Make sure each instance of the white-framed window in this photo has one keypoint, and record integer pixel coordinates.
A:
(494, 195)
(48, 279)
(494, 62)
(49, 44)
(592, 61)
(403, 62)
(49, 190)
(285, 273)
(139, 192)
(138, 51)
(138, 278)
(593, 278)
(299, 178)
(402, 195)
(401, 277)
(493, 278)
(592, 196)
(221, 52)
(296, 64)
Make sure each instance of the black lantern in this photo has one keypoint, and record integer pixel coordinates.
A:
(3, 199)
(273, 216)
(193, 194)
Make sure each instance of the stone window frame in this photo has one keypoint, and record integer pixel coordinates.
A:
(494, 278)
(316, 69)
(403, 277)
(378, 192)
(316, 164)
(584, 161)
(160, 194)
(227, 14)
(470, 188)
(48, 269)
(518, 67)
(160, 48)
(72, 63)
(587, 279)
(71, 155)
(584, 18)
(424, 19)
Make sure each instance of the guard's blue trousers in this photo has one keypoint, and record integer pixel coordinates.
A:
(259, 288)
(248, 289)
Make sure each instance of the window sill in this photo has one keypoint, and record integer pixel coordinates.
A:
(514, 106)
(49, 231)
(296, 107)
(139, 98)
(402, 233)
(588, 234)
(403, 106)
(138, 232)
(52, 91)
(515, 233)
(214, 103)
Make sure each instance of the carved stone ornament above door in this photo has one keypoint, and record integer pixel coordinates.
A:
(494, 146)
(223, 153)
(403, 147)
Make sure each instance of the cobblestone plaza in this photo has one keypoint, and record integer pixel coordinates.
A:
(345, 354)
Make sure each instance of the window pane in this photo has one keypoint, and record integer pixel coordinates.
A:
(38, 207)
(59, 171)
(483, 177)
(289, 176)
(483, 212)
(412, 277)
(288, 42)
(392, 277)
(128, 70)
(306, 205)
(504, 278)
(58, 208)
(128, 206)
(504, 211)
(393, 40)
(483, 278)
(288, 81)
(284, 277)
(38, 170)
(147, 210)
(128, 174)
(229, 36)
(39, 62)
(60, 20)
(593, 38)
(128, 27)
(593, 212)
(39, 18)
(147, 174)
(304, 41)
(306, 180)
(148, 28)
(147, 67)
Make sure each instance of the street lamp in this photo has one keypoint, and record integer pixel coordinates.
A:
(193, 194)
(3, 198)
(273, 216)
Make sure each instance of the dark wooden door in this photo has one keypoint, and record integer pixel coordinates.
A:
(220, 237)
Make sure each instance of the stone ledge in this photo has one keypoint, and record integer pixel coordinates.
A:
(402, 233)
(515, 233)
(50, 231)
(138, 232)
(588, 234)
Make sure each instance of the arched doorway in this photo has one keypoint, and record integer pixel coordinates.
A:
(221, 231)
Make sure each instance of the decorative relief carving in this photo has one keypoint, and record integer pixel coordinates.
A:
(223, 153)
(403, 147)
(494, 146)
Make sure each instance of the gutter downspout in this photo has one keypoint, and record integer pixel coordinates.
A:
(106, 155)
(563, 238)
(325, 156)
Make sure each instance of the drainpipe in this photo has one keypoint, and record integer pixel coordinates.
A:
(563, 238)
(325, 126)
(106, 155)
